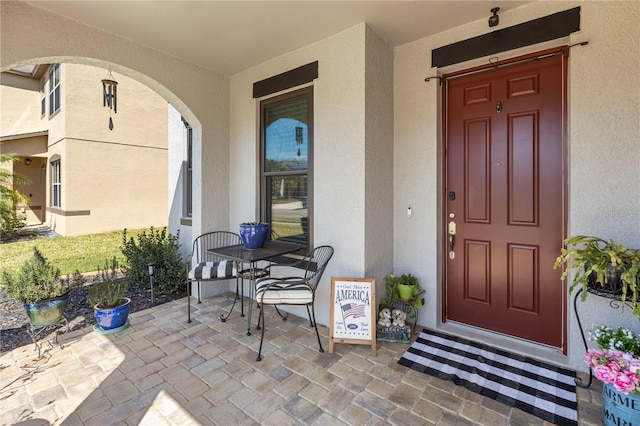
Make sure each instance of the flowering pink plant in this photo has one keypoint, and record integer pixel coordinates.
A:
(617, 361)
(618, 368)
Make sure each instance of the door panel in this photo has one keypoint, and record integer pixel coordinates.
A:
(504, 161)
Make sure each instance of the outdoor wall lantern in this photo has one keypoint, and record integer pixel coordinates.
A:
(493, 20)
(27, 161)
(110, 96)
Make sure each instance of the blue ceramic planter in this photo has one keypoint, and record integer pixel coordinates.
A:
(619, 408)
(254, 236)
(111, 318)
(46, 312)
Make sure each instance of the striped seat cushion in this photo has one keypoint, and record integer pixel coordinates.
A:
(213, 270)
(283, 293)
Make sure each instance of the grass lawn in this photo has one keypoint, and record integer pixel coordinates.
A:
(85, 253)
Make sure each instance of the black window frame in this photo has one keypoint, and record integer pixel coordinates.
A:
(265, 197)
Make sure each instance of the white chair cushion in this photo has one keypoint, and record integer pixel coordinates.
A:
(283, 293)
(213, 270)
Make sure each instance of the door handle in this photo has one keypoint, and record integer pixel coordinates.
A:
(452, 233)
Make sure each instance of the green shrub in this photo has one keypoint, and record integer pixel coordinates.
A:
(160, 248)
(10, 220)
(38, 280)
(110, 288)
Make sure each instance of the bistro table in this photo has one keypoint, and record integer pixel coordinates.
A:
(240, 255)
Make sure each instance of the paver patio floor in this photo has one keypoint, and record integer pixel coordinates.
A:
(161, 370)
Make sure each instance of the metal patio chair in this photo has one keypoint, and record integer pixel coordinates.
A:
(204, 267)
(293, 290)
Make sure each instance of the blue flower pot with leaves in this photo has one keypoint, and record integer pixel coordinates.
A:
(254, 235)
(110, 318)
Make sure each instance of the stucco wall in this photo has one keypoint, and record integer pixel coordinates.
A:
(19, 105)
(378, 151)
(30, 34)
(352, 152)
(177, 161)
(603, 140)
(119, 176)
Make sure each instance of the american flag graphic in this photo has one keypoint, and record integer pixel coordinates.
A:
(353, 310)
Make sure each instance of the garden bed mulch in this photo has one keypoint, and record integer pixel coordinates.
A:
(14, 321)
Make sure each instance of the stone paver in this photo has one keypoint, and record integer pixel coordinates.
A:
(163, 371)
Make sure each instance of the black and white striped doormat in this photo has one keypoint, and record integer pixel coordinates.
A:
(540, 389)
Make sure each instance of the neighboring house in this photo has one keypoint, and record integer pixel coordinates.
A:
(376, 147)
(85, 178)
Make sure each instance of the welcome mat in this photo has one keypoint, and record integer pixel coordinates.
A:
(540, 389)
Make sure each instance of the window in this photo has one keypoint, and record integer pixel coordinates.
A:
(286, 165)
(54, 89)
(188, 171)
(43, 100)
(56, 185)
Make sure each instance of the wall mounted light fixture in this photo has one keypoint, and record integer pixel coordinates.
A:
(495, 19)
(27, 161)
(110, 96)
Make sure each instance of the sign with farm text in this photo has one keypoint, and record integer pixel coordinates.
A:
(353, 307)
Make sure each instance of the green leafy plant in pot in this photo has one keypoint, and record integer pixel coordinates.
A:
(39, 286)
(111, 308)
(597, 264)
(403, 289)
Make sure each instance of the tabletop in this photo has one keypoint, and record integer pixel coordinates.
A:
(240, 254)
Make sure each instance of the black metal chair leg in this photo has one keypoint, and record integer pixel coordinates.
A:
(261, 317)
(236, 297)
(188, 301)
(315, 324)
(241, 293)
(284, 317)
(311, 322)
(224, 318)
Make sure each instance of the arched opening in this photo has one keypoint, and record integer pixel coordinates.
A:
(92, 177)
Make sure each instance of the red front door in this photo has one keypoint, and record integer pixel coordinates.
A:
(504, 189)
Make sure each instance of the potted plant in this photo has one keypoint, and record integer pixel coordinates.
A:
(616, 363)
(402, 290)
(39, 286)
(602, 267)
(253, 234)
(110, 307)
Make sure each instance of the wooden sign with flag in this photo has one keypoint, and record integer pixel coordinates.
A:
(353, 312)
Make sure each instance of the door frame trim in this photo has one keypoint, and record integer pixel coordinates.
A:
(560, 50)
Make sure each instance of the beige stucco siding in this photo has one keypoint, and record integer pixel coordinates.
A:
(19, 106)
(352, 154)
(111, 179)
